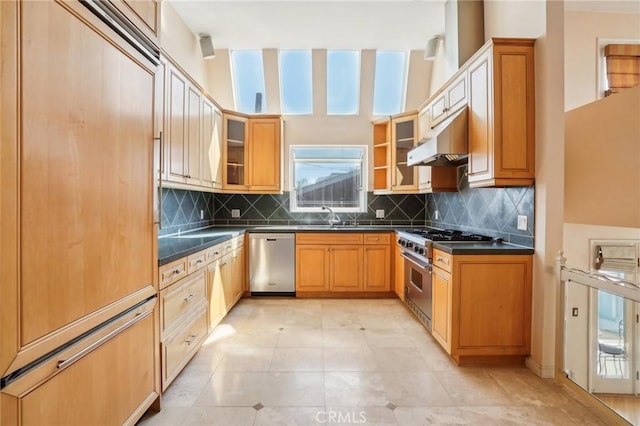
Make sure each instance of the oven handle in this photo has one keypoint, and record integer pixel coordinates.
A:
(415, 261)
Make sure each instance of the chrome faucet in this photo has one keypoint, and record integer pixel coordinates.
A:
(333, 219)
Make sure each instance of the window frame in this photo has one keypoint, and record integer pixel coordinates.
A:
(358, 82)
(602, 83)
(311, 76)
(362, 198)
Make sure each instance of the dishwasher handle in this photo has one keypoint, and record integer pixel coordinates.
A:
(270, 237)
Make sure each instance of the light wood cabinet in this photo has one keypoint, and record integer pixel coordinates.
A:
(437, 179)
(441, 307)
(193, 137)
(404, 178)
(252, 154)
(502, 114)
(450, 100)
(175, 125)
(482, 307)
(399, 272)
(382, 147)
(211, 153)
(178, 300)
(345, 263)
(144, 14)
(76, 206)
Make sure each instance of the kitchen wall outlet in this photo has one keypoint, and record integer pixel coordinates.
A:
(201, 214)
(436, 215)
(379, 214)
(522, 222)
(235, 213)
(574, 312)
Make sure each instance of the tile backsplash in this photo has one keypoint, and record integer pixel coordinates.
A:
(489, 211)
(181, 210)
(273, 209)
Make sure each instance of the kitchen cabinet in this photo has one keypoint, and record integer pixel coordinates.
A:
(382, 155)
(252, 154)
(448, 101)
(144, 14)
(482, 307)
(403, 138)
(77, 235)
(399, 272)
(377, 262)
(211, 153)
(176, 160)
(502, 114)
(343, 263)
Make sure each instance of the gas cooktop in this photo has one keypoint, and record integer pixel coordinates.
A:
(447, 235)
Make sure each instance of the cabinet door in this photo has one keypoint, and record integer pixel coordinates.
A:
(235, 153)
(399, 273)
(377, 268)
(479, 122)
(194, 112)
(441, 308)
(438, 109)
(211, 145)
(312, 268)
(77, 232)
(404, 178)
(105, 387)
(457, 94)
(176, 122)
(238, 273)
(346, 268)
(264, 154)
(226, 275)
(215, 294)
(145, 14)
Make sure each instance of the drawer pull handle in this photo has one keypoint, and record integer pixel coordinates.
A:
(176, 271)
(188, 299)
(190, 340)
(199, 261)
(441, 260)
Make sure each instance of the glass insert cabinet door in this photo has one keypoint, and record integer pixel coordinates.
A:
(404, 138)
(235, 144)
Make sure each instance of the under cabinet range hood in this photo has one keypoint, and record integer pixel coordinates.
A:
(446, 145)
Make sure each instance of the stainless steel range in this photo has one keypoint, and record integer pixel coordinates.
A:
(417, 250)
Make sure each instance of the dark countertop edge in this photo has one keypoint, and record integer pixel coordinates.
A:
(201, 245)
(478, 249)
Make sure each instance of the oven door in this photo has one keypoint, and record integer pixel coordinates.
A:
(417, 284)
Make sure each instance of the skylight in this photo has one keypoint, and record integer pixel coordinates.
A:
(343, 81)
(248, 81)
(390, 82)
(296, 82)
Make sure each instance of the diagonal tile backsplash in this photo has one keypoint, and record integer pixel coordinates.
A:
(181, 210)
(489, 211)
(273, 209)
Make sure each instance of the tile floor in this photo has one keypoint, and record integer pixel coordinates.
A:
(369, 362)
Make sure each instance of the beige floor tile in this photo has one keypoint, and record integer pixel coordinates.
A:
(473, 386)
(233, 389)
(297, 359)
(246, 358)
(168, 416)
(290, 416)
(220, 416)
(340, 338)
(300, 338)
(336, 319)
(355, 389)
(528, 389)
(399, 359)
(293, 390)
(387, 338)
(357, 358)
(368, 416)
(415, 389)
(186, 388)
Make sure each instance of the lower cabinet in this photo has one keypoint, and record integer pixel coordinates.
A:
(482, 307)
(113, 384)
(399, 273)
(347, 263)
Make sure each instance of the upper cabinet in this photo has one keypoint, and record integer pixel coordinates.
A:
(211, 153)
(404, 178)
(144, 14)
(252, 153)
(382, 155)
(450, 100)
(502, 114)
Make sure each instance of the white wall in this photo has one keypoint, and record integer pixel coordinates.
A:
(582, 30)
(543, 21)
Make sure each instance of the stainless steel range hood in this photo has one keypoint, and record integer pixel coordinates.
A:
(446, 145)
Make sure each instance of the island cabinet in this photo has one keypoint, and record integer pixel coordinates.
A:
(252, 153)
(343, 263)
(481, 307)
(502, 114)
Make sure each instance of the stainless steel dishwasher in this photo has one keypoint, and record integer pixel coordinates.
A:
(272, 264)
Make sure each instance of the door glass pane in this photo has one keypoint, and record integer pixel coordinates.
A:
(235, 152)
(612, 356)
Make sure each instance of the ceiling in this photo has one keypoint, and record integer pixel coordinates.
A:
(334, 24)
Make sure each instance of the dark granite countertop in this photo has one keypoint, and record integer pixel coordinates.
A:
(174, 247)
(481, 248)
(321, 228)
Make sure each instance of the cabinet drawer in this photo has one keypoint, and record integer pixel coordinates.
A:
(213, 253)
(335, 237)
(377, 238)
(196, 261)
(231, 245)
(180, 298)
(172, 272)
(179, 349)
(442, 260)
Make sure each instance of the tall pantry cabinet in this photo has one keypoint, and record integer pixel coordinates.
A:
(78, 255)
